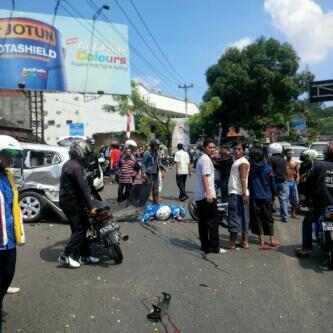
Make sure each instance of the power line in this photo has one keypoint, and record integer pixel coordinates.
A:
(155, 41)
(134, 67)
(134, 49)
(144, 40)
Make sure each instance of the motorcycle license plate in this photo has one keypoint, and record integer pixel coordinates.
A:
(327, 226)
(107, 228)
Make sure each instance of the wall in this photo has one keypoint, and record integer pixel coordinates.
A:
(62, 108)
(14, 107)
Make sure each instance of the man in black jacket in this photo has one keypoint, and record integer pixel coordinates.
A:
(74, 200)
(279, 164)
(319, 192)
(223, 163)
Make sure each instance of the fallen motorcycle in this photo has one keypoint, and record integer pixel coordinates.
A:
(106, 231)
(222, 212)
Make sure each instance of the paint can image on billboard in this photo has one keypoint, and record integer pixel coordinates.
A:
(31, 53)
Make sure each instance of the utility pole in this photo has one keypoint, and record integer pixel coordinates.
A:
(185, 87)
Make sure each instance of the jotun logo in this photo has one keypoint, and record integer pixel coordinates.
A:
(27, 29)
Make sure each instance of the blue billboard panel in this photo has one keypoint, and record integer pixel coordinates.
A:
(299, 125)
(76, 129)
(69, 56)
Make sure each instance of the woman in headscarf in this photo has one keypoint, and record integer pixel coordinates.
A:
(11, 226)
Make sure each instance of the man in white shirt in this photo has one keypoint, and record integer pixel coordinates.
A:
(205, 198)
(183, 169)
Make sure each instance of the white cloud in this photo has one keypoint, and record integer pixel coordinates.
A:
(240, 44)
(305, 25)
(149, 81)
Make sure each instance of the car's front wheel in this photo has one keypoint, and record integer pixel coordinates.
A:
(32, 206)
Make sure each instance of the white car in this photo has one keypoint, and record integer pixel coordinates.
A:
(37, 176)
(319, 146)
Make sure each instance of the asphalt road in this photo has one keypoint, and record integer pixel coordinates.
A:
(240, 291)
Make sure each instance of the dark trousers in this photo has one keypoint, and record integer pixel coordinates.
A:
(224, 188)
(310, 217)
(7, 271)
(208, 225)
(79, 223)
(181, 182)
(123, 191)
(261, 217)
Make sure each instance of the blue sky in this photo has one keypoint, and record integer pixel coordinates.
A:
(195, 33)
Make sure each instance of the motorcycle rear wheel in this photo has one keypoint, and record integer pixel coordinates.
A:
(115, 251)
(192, 208)
(330, 258)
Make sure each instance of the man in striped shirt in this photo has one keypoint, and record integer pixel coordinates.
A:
(126, 166)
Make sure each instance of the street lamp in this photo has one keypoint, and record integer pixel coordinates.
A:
(105, 6)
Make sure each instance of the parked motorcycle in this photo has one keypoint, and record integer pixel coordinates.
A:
(105, 230)
(324, 233)
(222, 212)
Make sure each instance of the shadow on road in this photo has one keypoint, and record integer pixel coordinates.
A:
(188, 244)
(316, 262)
(52, 253)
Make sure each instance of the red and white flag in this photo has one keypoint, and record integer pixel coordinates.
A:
(128, 128)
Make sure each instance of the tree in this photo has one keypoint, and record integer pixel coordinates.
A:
(146, 117)
(258, 85)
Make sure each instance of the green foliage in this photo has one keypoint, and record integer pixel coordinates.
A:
(256, 86)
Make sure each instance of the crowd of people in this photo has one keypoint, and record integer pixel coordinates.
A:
(250, 184)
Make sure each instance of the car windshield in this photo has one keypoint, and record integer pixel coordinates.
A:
(298, 151)
(318, 147)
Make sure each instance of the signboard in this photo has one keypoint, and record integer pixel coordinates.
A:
(299, 125)
(37, 56)
(76, 129)
(321, 91)
(181, 133)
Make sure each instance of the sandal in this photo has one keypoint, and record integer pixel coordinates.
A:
(303, 253)
(276, 243)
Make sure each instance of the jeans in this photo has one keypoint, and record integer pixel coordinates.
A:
(7, 271)
(309, 218)
(208, 225)
(282, 193)
(153, 180)
(181, 182)
(292, 192)
(238, 214)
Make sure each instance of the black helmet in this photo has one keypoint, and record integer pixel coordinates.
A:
(154, 142)
(328, 152)
(80, 149)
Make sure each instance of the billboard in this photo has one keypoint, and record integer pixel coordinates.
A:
(35, 55)
(181, 133)
(299, 124)
(76, 129)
